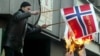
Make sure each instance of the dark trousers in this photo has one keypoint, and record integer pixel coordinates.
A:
(11, 52)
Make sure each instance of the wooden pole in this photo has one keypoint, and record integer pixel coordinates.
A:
(50, 11)
(55, 23)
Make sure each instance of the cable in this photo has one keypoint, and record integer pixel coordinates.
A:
(39, 2)
(93, 5)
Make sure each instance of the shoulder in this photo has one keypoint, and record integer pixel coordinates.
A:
(18, 12)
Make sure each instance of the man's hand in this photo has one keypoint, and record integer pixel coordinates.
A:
(44, 26)
(34, 12)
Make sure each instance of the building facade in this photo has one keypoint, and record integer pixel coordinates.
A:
(50, 39)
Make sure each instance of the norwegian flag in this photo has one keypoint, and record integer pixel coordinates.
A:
(81, 19)
(69, 35)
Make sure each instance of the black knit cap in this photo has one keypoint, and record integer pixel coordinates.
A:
(24, 4)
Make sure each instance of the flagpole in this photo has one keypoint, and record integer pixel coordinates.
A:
(54, 24)
(50, 10)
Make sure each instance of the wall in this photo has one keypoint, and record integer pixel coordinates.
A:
(57, 49)
(4, 6)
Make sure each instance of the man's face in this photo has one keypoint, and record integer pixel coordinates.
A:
(26, 9)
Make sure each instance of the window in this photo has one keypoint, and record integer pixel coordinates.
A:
(50, 17)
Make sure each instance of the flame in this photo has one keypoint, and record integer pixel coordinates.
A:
(72, 47)
(80, 53)
(73, 44)
(79, 41)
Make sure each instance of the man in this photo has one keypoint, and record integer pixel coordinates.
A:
(16, 30)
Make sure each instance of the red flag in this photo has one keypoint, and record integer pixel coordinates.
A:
(84, 40)
(81, 19)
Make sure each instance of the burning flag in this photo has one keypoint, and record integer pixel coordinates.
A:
(80, 25)
(81, 19)
(75, 45)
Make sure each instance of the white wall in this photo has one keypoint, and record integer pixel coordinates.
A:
(4, 6)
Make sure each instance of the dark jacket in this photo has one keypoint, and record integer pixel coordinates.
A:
(16, 30)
